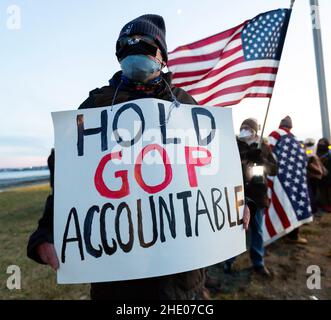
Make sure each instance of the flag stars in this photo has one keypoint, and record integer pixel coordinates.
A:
(291, 174)
(301, 203)
(262, 32)
(303, 194)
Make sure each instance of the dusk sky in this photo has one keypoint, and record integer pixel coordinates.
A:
(63, 49)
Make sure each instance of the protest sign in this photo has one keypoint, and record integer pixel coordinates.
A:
(145, 189)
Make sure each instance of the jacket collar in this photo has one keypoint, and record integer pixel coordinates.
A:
(116, 79)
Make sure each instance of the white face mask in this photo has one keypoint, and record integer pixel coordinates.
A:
(245, 134)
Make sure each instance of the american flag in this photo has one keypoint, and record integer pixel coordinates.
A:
(241, 62)
(288, 191)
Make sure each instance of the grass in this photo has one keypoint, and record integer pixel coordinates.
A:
(20, 210)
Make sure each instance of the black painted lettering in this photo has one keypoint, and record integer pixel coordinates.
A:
(162, 121)
(217, 206)
(140, 224)
(200, 212)
(126, 247)
(239, 203)
(81, 132)
(78, 238)
(119, 139)
(170, 217)
(87, 233)
(231, 223)
(183, 196)
(204, 112)
(109, 250)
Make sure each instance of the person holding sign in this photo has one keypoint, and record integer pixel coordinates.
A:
(142, 53)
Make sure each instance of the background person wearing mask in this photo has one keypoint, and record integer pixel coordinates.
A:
(293, 236)
(324, 187)
(142, 53)
(315, 172)
(257, 163)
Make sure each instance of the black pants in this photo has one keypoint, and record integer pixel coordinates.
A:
(294, 235)
(312, 189)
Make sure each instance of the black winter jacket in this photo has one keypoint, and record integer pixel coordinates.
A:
(187, 285)
(256, 189)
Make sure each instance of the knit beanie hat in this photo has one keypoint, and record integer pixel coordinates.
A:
(252, 123)
(286, 122)
(149, 24)
(309, 142)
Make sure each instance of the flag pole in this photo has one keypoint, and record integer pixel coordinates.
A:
(292, 4)
(320, 68)
(269, 103)
(264, 123)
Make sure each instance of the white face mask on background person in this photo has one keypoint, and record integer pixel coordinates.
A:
(244, 133)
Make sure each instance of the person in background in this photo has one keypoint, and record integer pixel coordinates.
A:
(257, 162)
(294, 236)
(315, 172)
(324, 188)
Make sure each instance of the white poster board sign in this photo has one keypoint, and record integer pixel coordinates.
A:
(137, 196)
